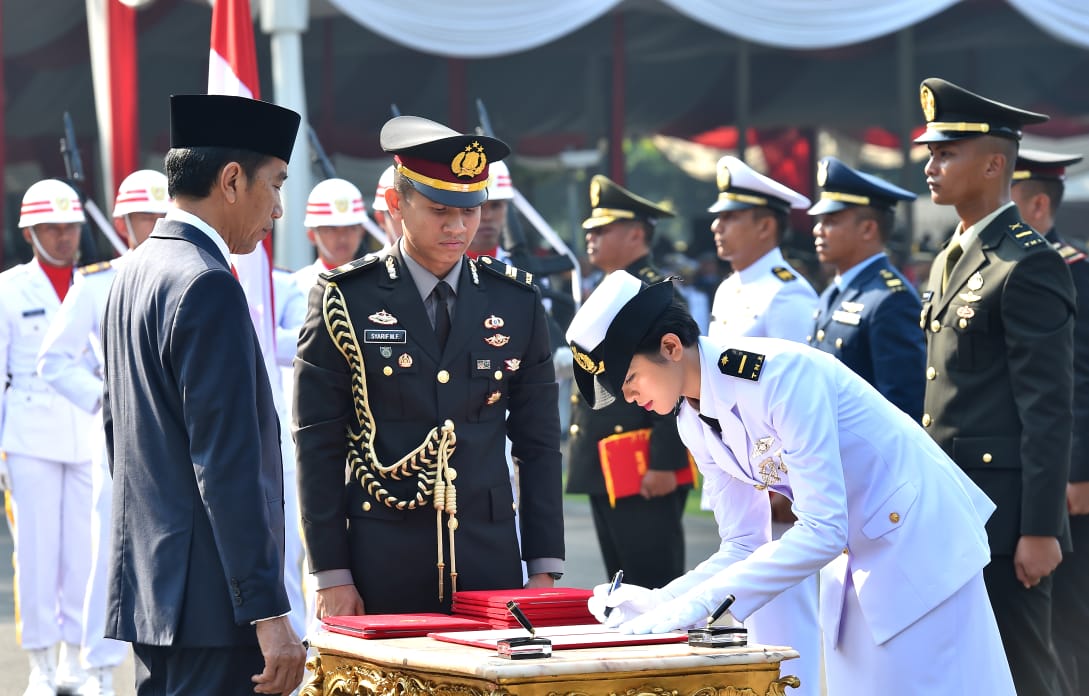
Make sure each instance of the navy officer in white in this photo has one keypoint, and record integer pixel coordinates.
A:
(868, 316)
(897, 528)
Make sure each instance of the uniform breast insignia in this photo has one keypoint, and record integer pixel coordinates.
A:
(493, 322)
(1070, 254)
(341, 272)
(93, 268)
(965, 312)
(385, 336)
(771, 466)
(404, 360)
(1025, 236)
(928, 295)
(40, 312)
(494, 398)
(484, 365)
(497, 341)
(784, 274)
(512, 364)
(762, 446)
(385, 352)
(507, 272)
(846, 317)
(383, 318)
(855, 307)
(741, 363)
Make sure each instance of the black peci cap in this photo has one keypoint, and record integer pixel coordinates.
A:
(218, 120)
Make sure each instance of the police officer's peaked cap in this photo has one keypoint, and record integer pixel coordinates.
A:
(606, 330)
(843, 187)
(740, 187)
(219, 120)
(954, 113)
(445, 166)
(609, 202)
(1038, 164)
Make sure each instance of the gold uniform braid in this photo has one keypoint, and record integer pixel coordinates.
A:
(428, 463)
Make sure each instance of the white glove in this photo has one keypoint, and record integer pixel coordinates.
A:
(5, 474)
(677, 614)
(625, 603)
(563, 362)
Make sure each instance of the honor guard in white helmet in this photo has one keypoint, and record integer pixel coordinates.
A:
(45, 441)
(142, 199)
(334, 225)
(381, 210)
(493, 214)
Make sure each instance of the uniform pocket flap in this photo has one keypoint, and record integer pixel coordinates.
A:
(987, 452)
(892, 513)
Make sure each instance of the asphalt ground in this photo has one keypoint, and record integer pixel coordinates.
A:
(584, 569)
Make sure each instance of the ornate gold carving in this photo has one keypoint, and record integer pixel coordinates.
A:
(778, 687)
(314, 685)
(368, 680)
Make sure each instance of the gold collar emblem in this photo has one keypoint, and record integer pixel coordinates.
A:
(469, 162)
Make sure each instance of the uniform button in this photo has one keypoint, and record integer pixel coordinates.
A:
(387, 370)
(931, 373)
(574, 429)
(498, 375)
(809, 339)
(443, 376)
(963, 323)
(839, 343)
(935, 326)
(894, 517)
(514, 506)
(618, 428)
(845, 551)
(987, 458)
(820, 335)
(926, 419)
(367, 506)
(922, 324)
(574, 398)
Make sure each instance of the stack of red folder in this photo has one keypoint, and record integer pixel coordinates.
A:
(554, 606)
(399, 625)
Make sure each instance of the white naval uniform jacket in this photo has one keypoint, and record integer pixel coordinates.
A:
(35, 420)
(863, 478)
(307, 276)
(768, 298)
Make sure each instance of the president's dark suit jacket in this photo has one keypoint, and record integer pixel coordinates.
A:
(872, 326)
(493, 380)
(193, 443)
(1000, 376)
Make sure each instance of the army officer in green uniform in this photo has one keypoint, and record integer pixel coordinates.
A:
(414, 365)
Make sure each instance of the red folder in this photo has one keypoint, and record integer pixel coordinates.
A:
(399, 625)
(527, 598)
(625, 458)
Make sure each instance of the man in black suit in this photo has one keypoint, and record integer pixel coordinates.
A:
(414, 365)
(643, 534)
(1038, 191)
(999, 319)
(197, 576)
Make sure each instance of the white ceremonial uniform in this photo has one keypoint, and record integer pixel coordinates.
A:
(896, 526)
(770, 299)
(46, 441)
(70, 360)
(307, 276)
(290, 314)
(761, 301)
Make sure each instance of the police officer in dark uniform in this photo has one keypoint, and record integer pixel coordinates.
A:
(1038, 191)
(414, 365)
(999, 318)
(640, 534)
(868, 315)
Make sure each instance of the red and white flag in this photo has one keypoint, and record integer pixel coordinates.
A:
(232, 69)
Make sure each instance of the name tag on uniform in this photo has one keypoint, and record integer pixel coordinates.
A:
(34, 312)
(846, 317)
(385, 336)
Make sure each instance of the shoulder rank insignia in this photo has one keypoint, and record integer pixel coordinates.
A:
(506, 271)
(1071, 254)
(93, 268)
(891, 280)
(784, 274)
(741, 363)
(341, 272)
(649, 275)
(1024, 235)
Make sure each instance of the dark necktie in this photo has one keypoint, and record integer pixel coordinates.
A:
(442, 293)
(830, 300)
(712, 423)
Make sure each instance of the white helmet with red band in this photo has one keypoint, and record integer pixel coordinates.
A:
(143, 191)
(384, 182)
(334, 203)
(50, 201)
(500, 187)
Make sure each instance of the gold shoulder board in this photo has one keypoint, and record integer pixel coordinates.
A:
(506, 271)
(93, 268)
(741, 363)
(341, 272)
(1024, 235)
(784, 274)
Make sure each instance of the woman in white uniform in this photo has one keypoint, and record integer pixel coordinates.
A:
(896, 527)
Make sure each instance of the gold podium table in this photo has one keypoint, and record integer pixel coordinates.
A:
(347, 666)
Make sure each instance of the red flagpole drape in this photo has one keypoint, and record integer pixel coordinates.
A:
(124, 90)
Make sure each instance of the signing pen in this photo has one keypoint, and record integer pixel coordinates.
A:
(512, 607)
(613, 587)
(717, 614)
